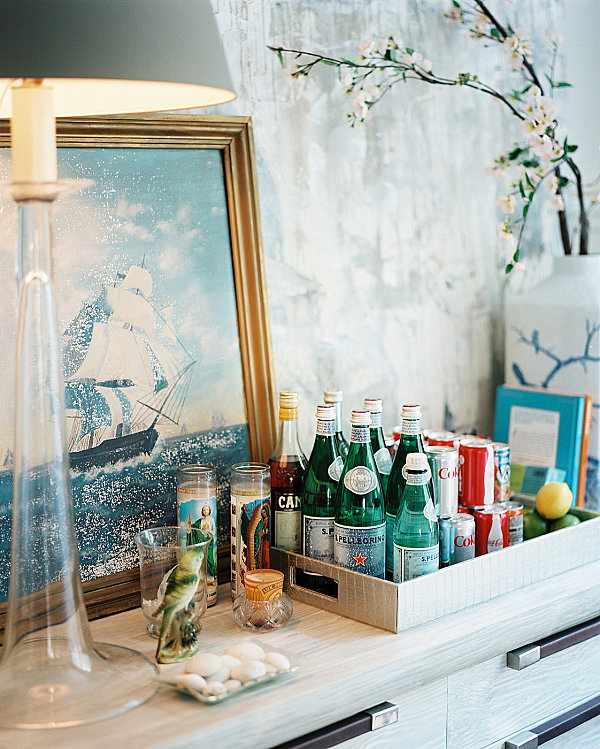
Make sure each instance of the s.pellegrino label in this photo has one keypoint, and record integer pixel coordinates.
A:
(411, 563)
(318, 538)
(326, 427)
(411, 426)
(335, 469)
(360, 480)
(383, 460)
(360, 549)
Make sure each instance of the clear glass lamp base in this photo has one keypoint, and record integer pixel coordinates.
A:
(53, 693)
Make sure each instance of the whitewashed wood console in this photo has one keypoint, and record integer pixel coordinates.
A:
(449, 679)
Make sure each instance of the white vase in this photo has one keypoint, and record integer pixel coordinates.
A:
(552, 340)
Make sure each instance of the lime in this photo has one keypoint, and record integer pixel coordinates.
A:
(565, 522)
(534, 525)
(554, 500)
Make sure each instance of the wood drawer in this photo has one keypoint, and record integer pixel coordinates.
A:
(490, 701)
(421, 723)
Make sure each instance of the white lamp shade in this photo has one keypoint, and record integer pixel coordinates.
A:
(114, 56)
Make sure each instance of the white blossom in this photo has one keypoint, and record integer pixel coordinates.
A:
(347, 79)
(506, 236)
(365, 49)
(554, 37)
(412, 58)
(496, 172)
(506, 203)
(557, 202)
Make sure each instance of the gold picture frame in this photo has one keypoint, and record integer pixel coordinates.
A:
(231, 137)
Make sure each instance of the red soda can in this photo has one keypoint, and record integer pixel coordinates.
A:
(476, 472)
(491, 529)
(443, 439)
(501, 472)
(467, 510)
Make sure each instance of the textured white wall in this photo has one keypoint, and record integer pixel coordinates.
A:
(384, 273)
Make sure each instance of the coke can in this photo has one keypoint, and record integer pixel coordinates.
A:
(447, 439)
(515, 522)
(501, 472)
(476, 472)
(443, 461)
(465, 510)
(457, 539)
(491, 529)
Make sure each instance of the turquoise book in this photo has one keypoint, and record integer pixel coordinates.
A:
(544, 428)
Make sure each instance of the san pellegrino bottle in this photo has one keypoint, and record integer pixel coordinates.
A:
(325, 466)
(382, 456)
(288, 467)
(359, 526)
(411, 441)
(334, 397)
(416, 533)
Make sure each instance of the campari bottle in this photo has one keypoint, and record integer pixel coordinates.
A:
(382, 456)
(334, 397)
(325, 467)
(359, 526)
(288, 467)
(416, 534)
(411, 441)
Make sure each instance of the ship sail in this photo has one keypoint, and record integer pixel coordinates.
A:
(133, 377)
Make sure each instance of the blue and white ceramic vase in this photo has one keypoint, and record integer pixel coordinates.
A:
(552, 340)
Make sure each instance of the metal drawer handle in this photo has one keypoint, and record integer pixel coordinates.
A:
(372, 719)
(530, 654)
(555, 726)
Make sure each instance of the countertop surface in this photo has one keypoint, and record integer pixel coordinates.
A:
(345, 667)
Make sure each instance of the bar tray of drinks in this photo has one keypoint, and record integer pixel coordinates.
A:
(397, 607)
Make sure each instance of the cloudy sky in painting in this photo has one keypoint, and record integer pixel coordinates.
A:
(166, 209)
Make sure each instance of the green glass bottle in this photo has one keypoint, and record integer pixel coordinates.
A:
(411, 441)
(359, 526)
(416, 533)
(382, 456)
(334, 397)
(325, 466)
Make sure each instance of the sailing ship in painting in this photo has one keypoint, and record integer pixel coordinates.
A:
(126, 372)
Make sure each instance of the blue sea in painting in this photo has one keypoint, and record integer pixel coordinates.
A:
(112, 503)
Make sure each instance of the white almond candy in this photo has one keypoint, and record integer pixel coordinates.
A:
(193, 681)
(214, 688)
(246, 651)
(205, 664)
(232, 684)
(222, 674)
(271, 669)
(248, 670)
(229, 661)
(278, 660)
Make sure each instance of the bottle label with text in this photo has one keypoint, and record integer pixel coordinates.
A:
(288, 521)
(326, 427)
(318, 538)
(360, 434)
(360, 549)
(411, 563)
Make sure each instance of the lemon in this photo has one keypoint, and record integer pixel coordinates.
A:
(554, 500)
(533, 525)
(565, 522)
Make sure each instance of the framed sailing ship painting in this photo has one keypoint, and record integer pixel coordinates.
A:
(163, 312)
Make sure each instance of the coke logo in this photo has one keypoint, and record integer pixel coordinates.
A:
(448, 473)
(496, 542)
(463, 541)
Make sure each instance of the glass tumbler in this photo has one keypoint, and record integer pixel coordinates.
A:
(160, 551)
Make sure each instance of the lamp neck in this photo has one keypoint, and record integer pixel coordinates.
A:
(33, 239)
